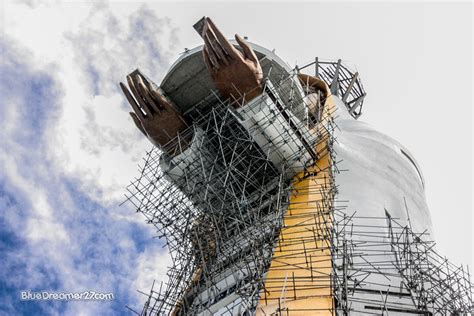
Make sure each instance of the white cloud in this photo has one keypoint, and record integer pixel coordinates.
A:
(153, 261)
(69, 173)
(94, 133)
(89, 49)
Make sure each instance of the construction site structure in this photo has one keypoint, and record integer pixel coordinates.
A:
(279, 207)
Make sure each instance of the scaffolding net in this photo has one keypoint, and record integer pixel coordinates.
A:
(227, 202)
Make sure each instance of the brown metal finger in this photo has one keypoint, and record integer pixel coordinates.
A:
(146, 93)
(212, 58)
(137, 95)
(248, 50)
(152, 88)
(164, 104)
(132, 101)
(213, 44)
(229, 49)
(148, 107)
(207, 61)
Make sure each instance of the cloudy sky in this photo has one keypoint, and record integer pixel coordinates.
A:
(68, 148)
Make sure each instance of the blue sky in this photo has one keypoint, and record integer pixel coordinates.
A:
(68, 148)
(61, 225)
(54, 235)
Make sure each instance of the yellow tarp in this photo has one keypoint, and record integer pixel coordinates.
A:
(299, 279)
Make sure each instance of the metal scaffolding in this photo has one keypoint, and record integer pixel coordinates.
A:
(228, 215)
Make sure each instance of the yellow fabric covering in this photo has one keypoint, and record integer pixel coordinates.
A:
(299, 279)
